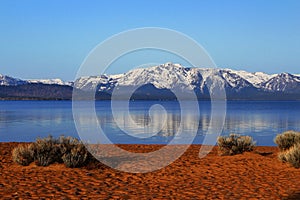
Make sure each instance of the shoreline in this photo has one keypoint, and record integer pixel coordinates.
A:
(128, 144)
(205, 100)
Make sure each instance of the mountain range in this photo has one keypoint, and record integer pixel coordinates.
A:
(157, 82)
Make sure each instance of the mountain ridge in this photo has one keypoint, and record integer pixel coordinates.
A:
(155, 82)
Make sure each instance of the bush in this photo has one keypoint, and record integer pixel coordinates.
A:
(76, 157)
(23, 154)
(235, 144)
(291, 155)
(281, 156)
(67, 143)
(287, 139)
(74, 153)
(46, 151)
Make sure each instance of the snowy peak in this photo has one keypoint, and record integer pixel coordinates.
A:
(235, 80)
(255, 78)
(283, 82)
(103, 82)
(162, 76)
(10, 81)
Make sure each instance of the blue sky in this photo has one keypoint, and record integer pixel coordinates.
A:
(48, 39)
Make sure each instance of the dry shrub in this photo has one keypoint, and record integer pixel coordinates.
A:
(292, 155)
(287, 139)
(76, 157)
(67, 143)
(74, 153)
(23, 154)
(235, 144)
(281, 156)
(46, 151)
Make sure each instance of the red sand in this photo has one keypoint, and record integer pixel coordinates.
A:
(246, 176)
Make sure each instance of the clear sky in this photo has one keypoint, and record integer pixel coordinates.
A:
(49, 39)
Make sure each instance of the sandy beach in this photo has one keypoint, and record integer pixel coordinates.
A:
(253, 175)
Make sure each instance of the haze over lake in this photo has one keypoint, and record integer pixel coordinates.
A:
(27, 120)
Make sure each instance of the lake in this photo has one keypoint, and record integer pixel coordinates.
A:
(26, 120)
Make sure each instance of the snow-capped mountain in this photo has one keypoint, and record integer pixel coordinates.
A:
(283, 82)
(158, 81)
(102, 82)
(167, 76)
(10, 81)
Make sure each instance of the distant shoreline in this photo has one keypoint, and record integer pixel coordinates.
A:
(124, 145)
(56, 99)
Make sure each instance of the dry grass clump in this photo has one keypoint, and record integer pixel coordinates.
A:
(287, 139)
(23, 154)
(235, 144)
(76, 157)
(46, 151)
(292, 156)
(289, 145)
(73, 152)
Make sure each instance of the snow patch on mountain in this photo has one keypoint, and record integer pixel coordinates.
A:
(255, 78)
(50, 82)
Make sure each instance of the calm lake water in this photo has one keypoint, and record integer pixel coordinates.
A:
(27, 120)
